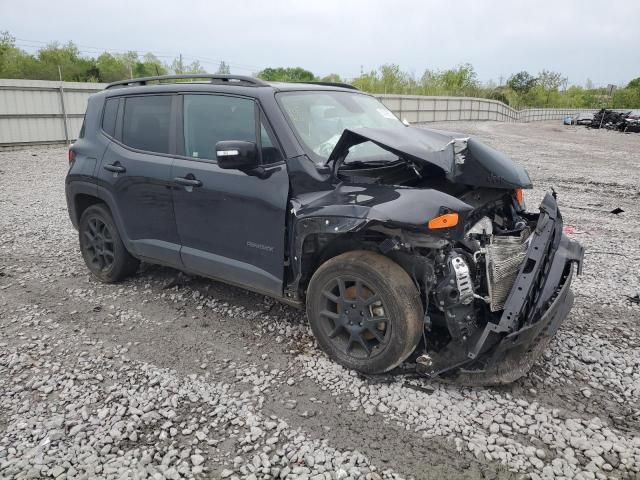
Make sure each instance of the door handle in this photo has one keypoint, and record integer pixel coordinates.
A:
(115, 168)
(187, 182)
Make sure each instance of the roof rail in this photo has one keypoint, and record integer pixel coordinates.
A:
(230, 79)
(335, 84)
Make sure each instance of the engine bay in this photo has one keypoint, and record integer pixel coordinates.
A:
(465, 283)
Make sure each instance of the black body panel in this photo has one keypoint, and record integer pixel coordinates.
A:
(141, 194)
(232, 226)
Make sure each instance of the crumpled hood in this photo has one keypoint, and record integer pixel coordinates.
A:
(463, 159)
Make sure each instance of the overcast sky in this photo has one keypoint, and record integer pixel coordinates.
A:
(595, 39)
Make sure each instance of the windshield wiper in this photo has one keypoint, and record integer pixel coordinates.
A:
(362, 163)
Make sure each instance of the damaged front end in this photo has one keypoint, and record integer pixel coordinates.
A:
(494, 279)
(501, 296)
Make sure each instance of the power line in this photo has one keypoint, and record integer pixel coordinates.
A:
(90, 50)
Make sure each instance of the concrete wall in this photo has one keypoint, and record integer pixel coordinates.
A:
(419, 109)
(37, 111)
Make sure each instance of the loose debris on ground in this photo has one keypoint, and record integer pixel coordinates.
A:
(611, 120)
(170, 376)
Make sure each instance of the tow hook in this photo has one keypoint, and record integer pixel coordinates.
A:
(424, 360)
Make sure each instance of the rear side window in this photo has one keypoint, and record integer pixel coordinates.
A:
(209, 119)
(81, 134)
(109, 116)
(146, 123)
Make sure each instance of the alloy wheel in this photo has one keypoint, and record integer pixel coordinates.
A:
(99, 244)
(355, 317)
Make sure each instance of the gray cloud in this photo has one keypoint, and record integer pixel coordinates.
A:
(582, 39)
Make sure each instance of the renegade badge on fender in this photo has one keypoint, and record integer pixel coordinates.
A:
(399, 240)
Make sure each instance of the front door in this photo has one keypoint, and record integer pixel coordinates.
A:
(230, 222)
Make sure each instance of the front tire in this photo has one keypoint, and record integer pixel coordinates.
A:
(102, 249)
(365, 311)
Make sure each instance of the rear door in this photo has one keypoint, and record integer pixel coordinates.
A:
(135, 174)
(231, 223)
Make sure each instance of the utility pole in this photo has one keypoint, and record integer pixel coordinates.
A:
(180, 65)
(64, 109)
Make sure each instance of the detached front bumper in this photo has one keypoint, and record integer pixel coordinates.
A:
(538, 303)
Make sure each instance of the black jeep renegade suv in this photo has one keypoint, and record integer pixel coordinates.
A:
(397, 239)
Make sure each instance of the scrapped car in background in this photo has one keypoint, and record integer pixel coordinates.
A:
(628, 122)
(402, 242)
(578, 119)
(583, 118)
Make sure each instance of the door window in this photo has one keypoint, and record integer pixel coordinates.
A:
(209, 119)
(146, 123)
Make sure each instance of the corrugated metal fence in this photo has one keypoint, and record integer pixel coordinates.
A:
(39, 111)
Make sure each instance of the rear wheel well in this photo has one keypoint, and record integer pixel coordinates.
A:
(82, 201)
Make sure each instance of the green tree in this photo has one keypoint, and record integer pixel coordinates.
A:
(332, 77)
(153, 66)
(12, 59)
(550, 82)
(461, 80)
(628, 97)
(195, 67)
(290, 74)
(55, 60)
(179, 67)
(521, 82)
(392, 78)
(635, 83)
(223, 68)
(111, 68)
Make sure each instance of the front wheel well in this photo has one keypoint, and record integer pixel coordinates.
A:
(320, 247)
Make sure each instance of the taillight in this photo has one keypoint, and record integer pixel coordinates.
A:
(72, 156)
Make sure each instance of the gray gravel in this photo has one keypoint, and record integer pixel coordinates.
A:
(169, 376)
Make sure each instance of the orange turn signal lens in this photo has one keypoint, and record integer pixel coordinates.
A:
(519, 194)
(447, 220)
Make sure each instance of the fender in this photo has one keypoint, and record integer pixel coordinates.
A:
(73, 188)
(80, 187)
(353, 208)
(314, 224)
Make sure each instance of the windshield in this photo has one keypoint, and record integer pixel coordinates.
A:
(320, 117)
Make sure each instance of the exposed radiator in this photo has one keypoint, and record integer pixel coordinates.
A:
(503, 259)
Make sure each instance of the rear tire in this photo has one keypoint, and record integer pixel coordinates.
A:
(102, 249)
(365, 311)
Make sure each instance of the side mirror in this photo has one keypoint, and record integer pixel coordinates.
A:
(236, 154)
(406, 122)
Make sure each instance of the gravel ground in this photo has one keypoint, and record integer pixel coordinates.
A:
(168, 376)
